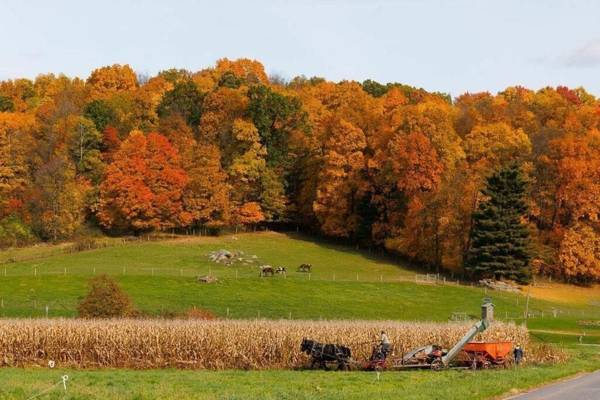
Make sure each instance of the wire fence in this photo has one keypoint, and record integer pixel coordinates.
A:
(44, 252)
(44, 304)
(38, 306)
(225, 273)
(40, 309)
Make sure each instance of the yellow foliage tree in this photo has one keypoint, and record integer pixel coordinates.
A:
(579, 254)
(106, 81)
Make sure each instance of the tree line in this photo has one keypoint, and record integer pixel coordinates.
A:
(384, 165)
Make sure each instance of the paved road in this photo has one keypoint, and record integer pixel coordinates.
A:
(585, 387)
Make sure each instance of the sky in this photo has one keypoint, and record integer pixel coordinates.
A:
(448, 46)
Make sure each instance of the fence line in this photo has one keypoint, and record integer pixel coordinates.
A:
(225, 273)
(54, 308)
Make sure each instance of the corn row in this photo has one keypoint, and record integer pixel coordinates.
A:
(220, 344)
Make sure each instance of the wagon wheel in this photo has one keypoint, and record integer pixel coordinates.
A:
(437, 364)
(486, 364)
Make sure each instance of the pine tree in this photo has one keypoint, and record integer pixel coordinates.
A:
(499, 239)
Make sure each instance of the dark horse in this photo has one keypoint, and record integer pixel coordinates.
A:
(266, 270)
(321, 354)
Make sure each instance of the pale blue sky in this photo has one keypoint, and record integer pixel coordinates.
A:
(449, 46)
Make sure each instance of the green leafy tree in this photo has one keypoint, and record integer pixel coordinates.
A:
(374, 88)
(500, 239)
(6, 104)
(14, 232)
(184, 99)
(174, 75)
(228, 79)
(276, 117)
(84, 148)
(101, 112)
(272, 197)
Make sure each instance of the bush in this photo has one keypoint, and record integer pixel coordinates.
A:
(105, 300)
(14, 232)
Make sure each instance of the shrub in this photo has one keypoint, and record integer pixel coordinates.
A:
(14, 232)
(105, 300)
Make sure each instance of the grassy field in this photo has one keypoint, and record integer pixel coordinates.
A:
(345, 283)
(176, 384)
(188, 256)
(160, 277)
(567, 294)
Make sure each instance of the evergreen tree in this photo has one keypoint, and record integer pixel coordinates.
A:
(499, 239)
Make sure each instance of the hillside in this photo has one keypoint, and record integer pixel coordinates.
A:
(345, 283)
(227, 147)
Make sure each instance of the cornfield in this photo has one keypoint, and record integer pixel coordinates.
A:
(219, 344)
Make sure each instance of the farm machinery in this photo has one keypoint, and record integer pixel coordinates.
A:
(464, 354)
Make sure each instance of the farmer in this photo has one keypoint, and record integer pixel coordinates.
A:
(385, 344)
(518, 354)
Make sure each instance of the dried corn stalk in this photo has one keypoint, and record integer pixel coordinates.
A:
(221, 344)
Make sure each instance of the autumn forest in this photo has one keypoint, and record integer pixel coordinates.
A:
(378, 165)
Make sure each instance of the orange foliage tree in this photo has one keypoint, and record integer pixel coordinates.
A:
(143, 187)
(15, 144)
(377, 164)
(339, 179)
(249, 213)
(106, 81)
(580, 254)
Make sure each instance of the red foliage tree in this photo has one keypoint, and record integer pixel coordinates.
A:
(110, 143)
(143, 187)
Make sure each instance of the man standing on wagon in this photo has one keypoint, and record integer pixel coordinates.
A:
(385, 344)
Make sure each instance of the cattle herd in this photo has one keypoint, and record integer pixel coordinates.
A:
(267, 270)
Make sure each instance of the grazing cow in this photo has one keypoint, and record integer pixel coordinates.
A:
(280, 270)
(266, 270)
(305, 268)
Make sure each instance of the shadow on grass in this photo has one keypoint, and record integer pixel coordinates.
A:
(377, 255)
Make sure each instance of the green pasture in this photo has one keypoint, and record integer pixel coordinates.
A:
(345, 283)
(20, 384)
